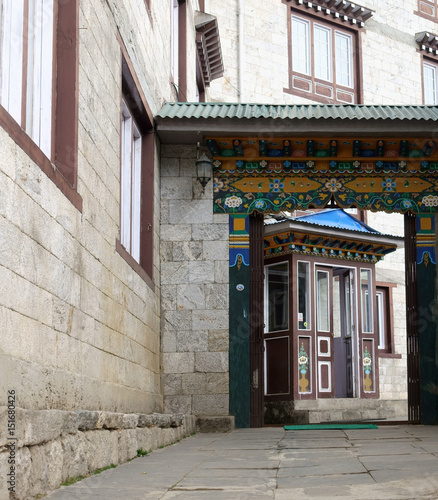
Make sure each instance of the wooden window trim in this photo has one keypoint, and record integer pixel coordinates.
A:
(136, 101)
(333, 24)
(62, 167)
(424, 15)
(180, 86)
(388, 350)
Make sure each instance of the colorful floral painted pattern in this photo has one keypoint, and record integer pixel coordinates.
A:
(235, 193)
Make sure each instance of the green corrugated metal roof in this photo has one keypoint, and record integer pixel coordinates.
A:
(297, 111)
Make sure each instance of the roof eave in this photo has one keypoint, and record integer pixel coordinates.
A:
(289, 225)
(174, 130)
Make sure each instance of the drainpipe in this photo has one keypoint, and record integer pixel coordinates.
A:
(240, 51)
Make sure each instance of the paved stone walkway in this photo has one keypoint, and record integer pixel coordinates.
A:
(391, 462)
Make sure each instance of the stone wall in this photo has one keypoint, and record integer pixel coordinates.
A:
(391, 269)
(194, 286)
(80, 328)
(56, 445)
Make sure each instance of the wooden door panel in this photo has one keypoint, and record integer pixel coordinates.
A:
(277, 366)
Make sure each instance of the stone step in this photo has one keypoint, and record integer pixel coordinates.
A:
(335, 410)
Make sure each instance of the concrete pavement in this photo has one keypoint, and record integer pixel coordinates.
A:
(391, 462)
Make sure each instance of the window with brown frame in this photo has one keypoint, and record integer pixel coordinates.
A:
(323, 62)
(38, 85)
(136, 240)
(385, 319)
(178, 48)
(427, 8)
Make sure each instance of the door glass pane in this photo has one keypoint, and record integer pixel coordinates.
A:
(337, 308)
(366, 299)
(277, 285)
(323, 301)
(303, 295)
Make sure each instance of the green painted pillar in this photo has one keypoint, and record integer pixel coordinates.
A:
(239, 320)
(427, 316)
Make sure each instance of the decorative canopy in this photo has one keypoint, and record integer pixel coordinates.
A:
(261, 174)
(329, 233)
(340, 9)
(428, 43)
(270, 158)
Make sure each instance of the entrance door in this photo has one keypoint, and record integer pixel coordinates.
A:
(343, 331)
(324, 331)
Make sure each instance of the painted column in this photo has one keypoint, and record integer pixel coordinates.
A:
(427, 317)
(239, 320)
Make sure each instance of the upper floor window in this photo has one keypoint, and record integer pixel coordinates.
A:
(136, 241)
(178, 48)
(130, 184)
(324, 50)
(430, 83)
(38, 84)
(322, 61)
(27, 67)
(428, 48)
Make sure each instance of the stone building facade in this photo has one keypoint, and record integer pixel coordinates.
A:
(102, 348)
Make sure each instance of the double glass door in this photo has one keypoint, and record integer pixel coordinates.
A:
(318, 329)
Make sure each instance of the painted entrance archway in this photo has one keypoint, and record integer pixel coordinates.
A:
(273, 174)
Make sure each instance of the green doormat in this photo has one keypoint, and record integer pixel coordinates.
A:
(328, 426)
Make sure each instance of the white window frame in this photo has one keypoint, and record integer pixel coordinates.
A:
(328, 55)
(174, 42)
(130, 199)
(380, 314)
(37, 77)
(433, 88)
(306, 60)
(349, 59)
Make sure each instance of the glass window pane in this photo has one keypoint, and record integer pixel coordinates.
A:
(348, 303)
(337, 308)
(300, 46)
(323, 301)
(136, 194)
(322, 53)
(126, 178)
(380, 313)
(429, 81)
(304, 296)
(40, 74)
(277, 284)
(343, 60)
(11, 54)
(366, 299)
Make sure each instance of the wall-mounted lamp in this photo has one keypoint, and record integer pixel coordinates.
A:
(204, 170)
